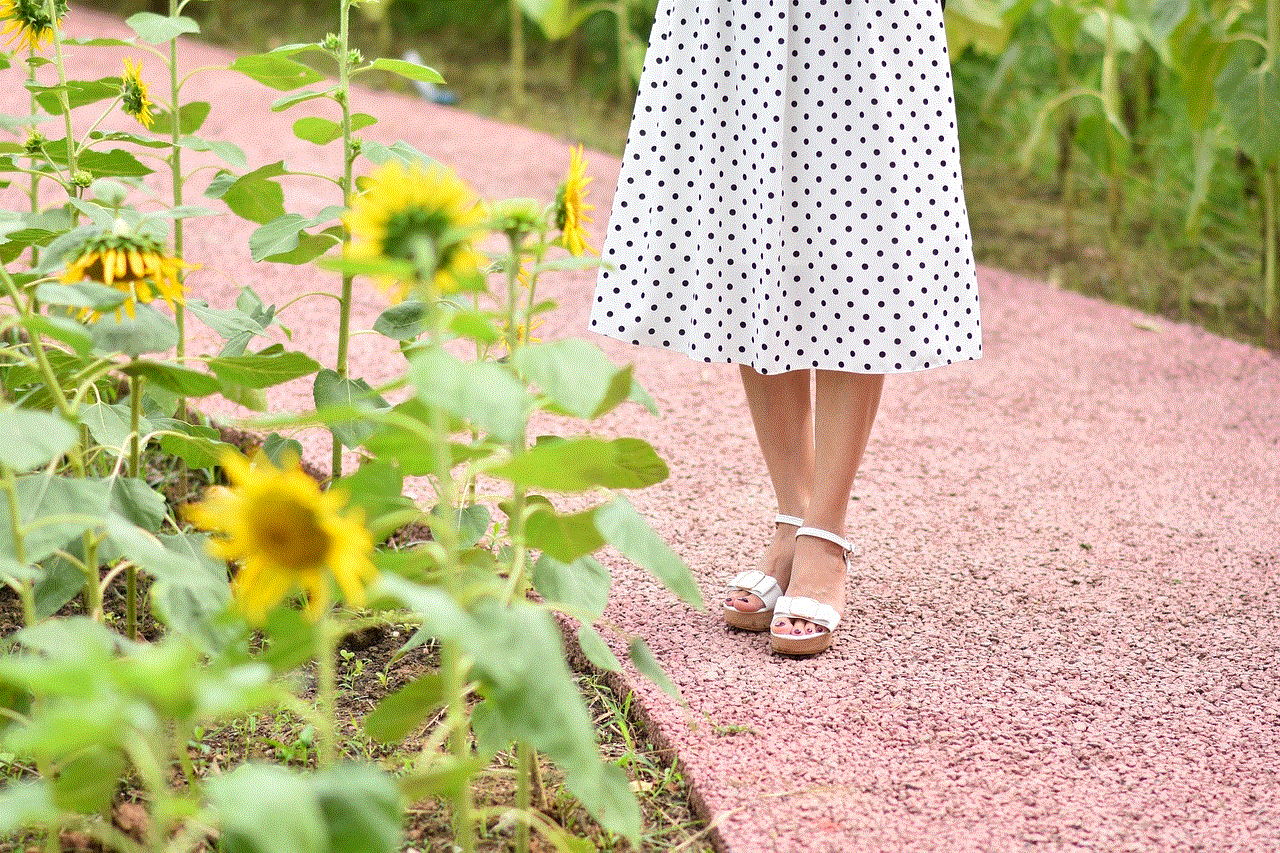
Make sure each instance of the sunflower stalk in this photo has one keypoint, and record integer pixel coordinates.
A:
(326, 649)
(454, 664)
(24, 589)
(52, 11)
(175, 169)
(135, 471)
(343, 97)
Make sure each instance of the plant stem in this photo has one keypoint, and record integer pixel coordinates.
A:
(175, 163)
(326, 692)
(343, 96)
(1270, 275)
(525, 757)
(517, 60)
(453, 663)
(24, 588)
(135, 470)
(52, 11)
(620, 12)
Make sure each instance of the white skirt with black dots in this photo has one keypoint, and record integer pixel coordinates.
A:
(790, 194)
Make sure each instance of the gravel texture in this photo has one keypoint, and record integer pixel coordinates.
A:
(1062, 630)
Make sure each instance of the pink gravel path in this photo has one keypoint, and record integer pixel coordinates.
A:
(1064, 631)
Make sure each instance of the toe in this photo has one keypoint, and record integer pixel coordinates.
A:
(747, 604)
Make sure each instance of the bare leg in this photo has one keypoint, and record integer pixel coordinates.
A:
(781, 413)
(844, 411)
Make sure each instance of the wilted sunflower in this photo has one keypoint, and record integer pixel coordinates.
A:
(571, 208)
(133, 93)
(286, 535)
(134, 264)
(426, 216)
(27, 22)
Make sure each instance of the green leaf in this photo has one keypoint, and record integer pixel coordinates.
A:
(229, 152)
(180, 380)
(400, 713)
(278, 236)
(283, 102)
(607, 795)
(402, 322)
(362, 809)
(52, 511)
(61, 329)
(1249, 96)
(157, 29)
(481, 392)
(576, 374)
(277, 71)
(110, 425)
(188, 443)
(85, 295)
(87, 783)
(263, 369)
(266, 809)
(190, 119)
(32, 439)
(565, 537)
(411, 70)
(649, 667)
(229, 323)
(136, 501)
(444, 776)
(147, 331)
(79, 93)
(280, 450)
(59, 581)
(634, 539)
(332, 391)
(25, 805)
(190, 589)
(582, 585)
(253, 195)
(471, 521)
(322, 131)
(377, 487)
(579, 464)
(596, 650)
(379, 154)
(116, 163)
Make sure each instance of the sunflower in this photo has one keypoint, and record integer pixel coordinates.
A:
(27, 22)
(424, 215)
(134, 264)
(133, 92)
(571, 208)
(286, 534)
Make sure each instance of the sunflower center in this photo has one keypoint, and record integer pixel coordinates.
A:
(406, 227)
(289, 534)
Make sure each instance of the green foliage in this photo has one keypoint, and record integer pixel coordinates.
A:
(1165, 108)
(96, 395)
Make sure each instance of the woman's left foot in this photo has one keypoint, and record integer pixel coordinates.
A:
(805, 617)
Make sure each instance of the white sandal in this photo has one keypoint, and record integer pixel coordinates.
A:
(757, 582)
(808, 609)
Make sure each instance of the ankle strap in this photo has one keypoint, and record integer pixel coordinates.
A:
(819, 533)
(794, 521)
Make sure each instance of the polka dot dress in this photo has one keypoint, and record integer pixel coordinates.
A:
(790, 194)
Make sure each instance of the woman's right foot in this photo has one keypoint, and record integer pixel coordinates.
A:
(748, 604)
(775, 562)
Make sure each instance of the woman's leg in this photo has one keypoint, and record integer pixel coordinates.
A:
(844, 409)
(781, 413)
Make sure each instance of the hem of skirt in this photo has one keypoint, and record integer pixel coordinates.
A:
(745, 362)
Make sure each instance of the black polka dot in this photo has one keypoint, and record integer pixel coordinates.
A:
(790, 195)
